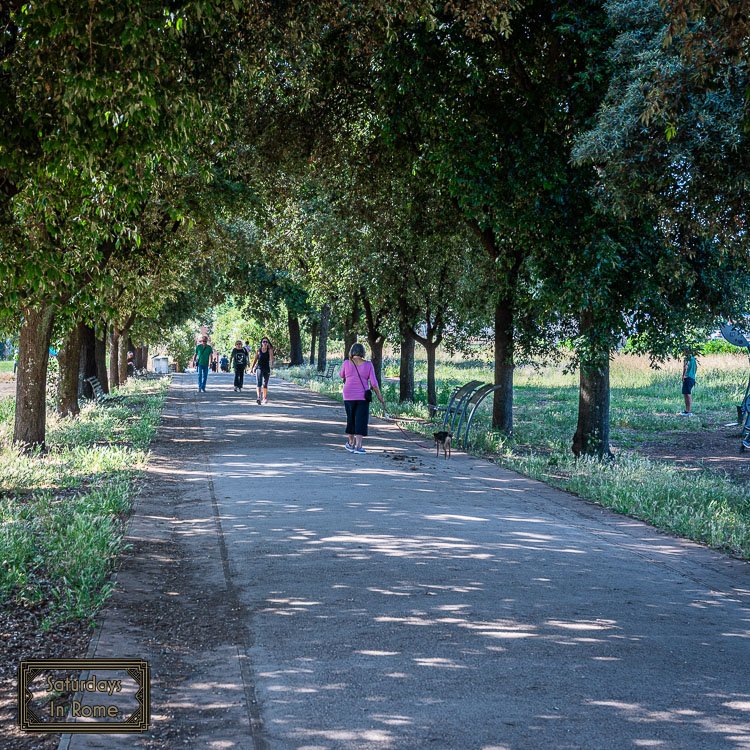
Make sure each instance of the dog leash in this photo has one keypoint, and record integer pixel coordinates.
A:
(409, 437)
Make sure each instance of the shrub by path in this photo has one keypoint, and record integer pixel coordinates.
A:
(289, 594)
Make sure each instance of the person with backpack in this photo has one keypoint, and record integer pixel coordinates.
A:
(261, 366)
(201, 360)
(238, 360)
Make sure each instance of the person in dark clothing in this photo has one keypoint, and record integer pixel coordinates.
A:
(238, 360)
(261, 366)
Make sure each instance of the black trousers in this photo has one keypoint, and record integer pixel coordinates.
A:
(239, 376)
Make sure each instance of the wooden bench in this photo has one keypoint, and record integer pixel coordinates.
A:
(100, 396)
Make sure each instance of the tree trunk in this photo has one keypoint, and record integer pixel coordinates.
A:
(376, 356)
(325, 325)
(375, 338)
(144, 357)
(295, 340)
(592, 431)
(69, 360)
(100, 354)
(431, 349)
(406, 370)
(313, 336)
(87, 360)
(114, 357)
(31, 378)
(122, 357)
(502, 405)
(138, 358)
(351, 323)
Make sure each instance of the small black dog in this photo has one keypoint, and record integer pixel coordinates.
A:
(443, 439)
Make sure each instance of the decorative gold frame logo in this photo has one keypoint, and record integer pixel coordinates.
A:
(134, 669)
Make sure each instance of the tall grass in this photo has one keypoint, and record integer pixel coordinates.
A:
(62, 513)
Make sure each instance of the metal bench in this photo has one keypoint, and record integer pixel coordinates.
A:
(456, 402)
(100, 396)
(328, 374)
(470, 409)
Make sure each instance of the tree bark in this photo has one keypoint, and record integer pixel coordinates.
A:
(114, 357)
(313, 336)
(406, 369)
(122, 357)
(375, 338)
(100, 354)
(591, 437)
(69, 360)
(325, 325)
(431, 349)
(30, 426)
(144, 357)
(351, 323)
(87, 360)
(138, 358)
(295, 340)
(502, 405)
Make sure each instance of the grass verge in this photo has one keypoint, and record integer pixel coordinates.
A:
(697, 504)
(62, 514)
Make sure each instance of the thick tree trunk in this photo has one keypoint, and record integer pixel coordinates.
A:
(592, 431)
(69, 360)
(325, 325)
(100, 351)
(114, 357)
(406, 370)
(31, 378)
(313, 337)
(295, 340)
(502, 405)
(87, 360)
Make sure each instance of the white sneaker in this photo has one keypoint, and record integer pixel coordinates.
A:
(264, 401)
(349, 447)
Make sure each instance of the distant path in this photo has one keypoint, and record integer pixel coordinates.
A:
(7, 388)
(291, 595)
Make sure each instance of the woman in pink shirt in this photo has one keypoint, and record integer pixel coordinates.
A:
(358, 376)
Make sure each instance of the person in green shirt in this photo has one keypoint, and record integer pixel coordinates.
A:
(689, 370)
(201, 360)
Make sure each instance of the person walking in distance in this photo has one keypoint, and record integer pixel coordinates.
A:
(261, 366)
(359, 377)
(238, 360)
(201, 360)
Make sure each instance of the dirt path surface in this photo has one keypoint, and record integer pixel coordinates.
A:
(288, 594)
(716, 449)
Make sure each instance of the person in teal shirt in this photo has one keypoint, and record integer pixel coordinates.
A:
(201, 360)
(689, 370)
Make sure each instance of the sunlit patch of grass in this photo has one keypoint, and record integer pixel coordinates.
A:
(62, 513)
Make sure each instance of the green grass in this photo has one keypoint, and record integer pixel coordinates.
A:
(62, 514)
(6, 365)
(697, 504)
